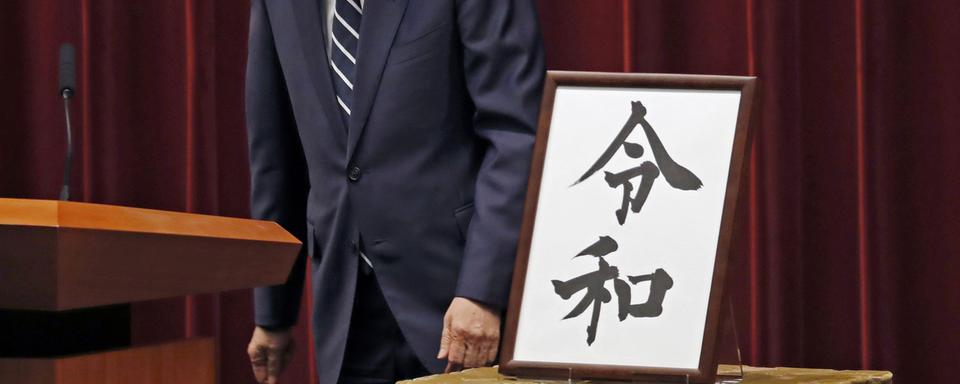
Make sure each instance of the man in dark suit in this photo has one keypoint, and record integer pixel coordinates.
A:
(394, 137)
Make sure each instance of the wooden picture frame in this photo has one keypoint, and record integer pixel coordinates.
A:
(704, 370)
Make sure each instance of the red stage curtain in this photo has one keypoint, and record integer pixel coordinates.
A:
(847, 248)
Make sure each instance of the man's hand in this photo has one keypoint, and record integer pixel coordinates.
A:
(471, 335)
(270, 351)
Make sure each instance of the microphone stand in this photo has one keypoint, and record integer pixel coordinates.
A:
(67, 166)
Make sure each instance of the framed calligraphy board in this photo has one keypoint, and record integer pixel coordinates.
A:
(627, 227)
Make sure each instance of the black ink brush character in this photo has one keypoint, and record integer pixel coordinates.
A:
(597, 294)
(676, 175)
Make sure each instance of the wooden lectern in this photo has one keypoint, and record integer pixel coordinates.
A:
(58, 256)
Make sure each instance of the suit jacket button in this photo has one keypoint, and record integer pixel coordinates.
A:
(354, 174)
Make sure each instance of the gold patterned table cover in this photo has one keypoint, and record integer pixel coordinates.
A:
(752, 375)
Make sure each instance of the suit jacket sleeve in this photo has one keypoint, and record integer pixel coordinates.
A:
(278, 175)
(504, 69)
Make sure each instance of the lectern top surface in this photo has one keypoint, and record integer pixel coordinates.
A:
(67, 214)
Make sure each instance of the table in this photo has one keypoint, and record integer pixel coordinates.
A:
(752, 375)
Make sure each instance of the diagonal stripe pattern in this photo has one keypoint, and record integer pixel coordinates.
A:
(343, 60)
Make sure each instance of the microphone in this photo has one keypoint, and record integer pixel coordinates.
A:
(68, 70)
(68, 84)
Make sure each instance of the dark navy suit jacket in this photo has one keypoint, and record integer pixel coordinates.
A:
(431, 168)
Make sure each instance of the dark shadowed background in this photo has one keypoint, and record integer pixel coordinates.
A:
(847, 255)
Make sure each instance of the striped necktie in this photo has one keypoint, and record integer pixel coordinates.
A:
(343, 61)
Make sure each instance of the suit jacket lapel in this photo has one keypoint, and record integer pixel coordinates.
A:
(381, 18)
(309, 21)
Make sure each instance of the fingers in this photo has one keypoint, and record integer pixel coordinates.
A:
(258, 358)
(493, 345)
(279, 360)
(269, 353)
(274, 365)
(470, 336)
(481, 351)
(457, 353)
(444, 339)
(476, 356)
(470, 355)
(470, 349)
(492, 352)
